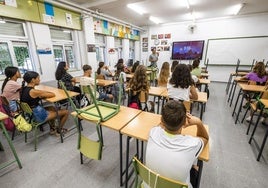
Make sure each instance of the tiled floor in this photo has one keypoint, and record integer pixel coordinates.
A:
(232, 160)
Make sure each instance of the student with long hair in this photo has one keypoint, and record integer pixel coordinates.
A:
(33, 96)
(196, 70)
(163, 75)
(118, 74)
(173, 65)
(140, 82)
(181, 85)
(62, 75)
(258, 74)
(11, 88)
(121, 62)
(103, 70)
(135, 65)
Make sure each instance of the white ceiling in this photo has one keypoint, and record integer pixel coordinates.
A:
(170, 11)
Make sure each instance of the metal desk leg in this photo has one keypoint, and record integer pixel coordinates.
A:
(200, 168)
(237, 99)
(262, 145)
(233, 93)
(158, 104)
(201, 110)
(228, 83)
(121, 158)
(11, 146)
(239, 110)
(255, 127)
(127, 165)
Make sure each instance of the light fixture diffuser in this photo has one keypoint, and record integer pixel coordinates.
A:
(154, 19)
(136, 8)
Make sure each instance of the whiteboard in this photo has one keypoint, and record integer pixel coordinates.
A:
(226, 51)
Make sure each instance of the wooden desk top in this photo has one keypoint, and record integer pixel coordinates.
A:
(265, 102)
(203, 81)
(238, 79)
(141, 125)
(254, 88)
(100, 82)
(124, 116)
(3, 116)
(157, 91)
(60, 94)
(239, 73)
(204, 74)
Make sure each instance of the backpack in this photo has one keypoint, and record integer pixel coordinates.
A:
(134, 101)
(4, 107)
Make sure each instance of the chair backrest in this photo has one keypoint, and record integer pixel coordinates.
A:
(153, 179)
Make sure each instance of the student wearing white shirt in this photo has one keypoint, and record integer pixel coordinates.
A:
(168, 152)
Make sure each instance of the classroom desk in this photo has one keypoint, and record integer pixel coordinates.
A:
(205, 82)
(202, 99)
(265, 106)
(232, 74)
(245, 88)
(157, 92)
(59, 96)
(100, 82)
(2, 126)
(204, 75)
(117, 122)
(233, 88)
(139, 128)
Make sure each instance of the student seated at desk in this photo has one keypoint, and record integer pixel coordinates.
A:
(33, 97)
(163, 75)
(196, 69)
(88, 80)
(121, 62)
(119, 73)
(134, 67)
(171, 154)
(104, 70)
(173, 66)
(181, 85)
(11, 88)
(258, 74)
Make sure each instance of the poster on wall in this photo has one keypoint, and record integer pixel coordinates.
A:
(167, 36)
(44, 49)
(12, 3)
(69, 20)
(91, 48)
(48, 19)
(153, 36)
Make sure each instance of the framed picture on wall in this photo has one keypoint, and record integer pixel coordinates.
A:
(145, 39)
(166, 48)
(167, 36)
(160, 36)
(91, 48)
(164, 42)
(144, 49)
(144, 44)
(153, 37)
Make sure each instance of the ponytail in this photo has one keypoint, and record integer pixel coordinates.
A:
(4, 83)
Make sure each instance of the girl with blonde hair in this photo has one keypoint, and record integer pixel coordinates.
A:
(164, 75)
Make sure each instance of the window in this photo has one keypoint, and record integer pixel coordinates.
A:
(5, 58)
(100, 47)
(63, 46)
(131, 49)
(119, 47)
(14, 48)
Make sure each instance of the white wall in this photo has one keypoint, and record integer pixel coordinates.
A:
(218, 28)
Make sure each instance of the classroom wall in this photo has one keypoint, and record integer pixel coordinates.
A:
(255, 25)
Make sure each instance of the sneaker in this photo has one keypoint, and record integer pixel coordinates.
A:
(248, 118)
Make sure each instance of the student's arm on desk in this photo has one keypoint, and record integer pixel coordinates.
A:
(201, 131)
(193, 93)
(41, 93)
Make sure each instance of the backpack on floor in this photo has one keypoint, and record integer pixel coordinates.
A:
(134, 101)
(4, 107)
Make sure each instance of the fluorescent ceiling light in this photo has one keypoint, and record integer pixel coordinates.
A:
(154, 19)
(136, 8)
(237, 8)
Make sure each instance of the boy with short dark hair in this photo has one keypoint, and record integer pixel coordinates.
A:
(170, 153)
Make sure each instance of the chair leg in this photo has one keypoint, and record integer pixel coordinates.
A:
(25, 137)
(35, 138)
(81, 158)
(13, 134)
(250, 123)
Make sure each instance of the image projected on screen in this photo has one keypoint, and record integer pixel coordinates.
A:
(187, 50)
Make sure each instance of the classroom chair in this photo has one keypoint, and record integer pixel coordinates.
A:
(28, 115)
(153, 179)
(97, 112)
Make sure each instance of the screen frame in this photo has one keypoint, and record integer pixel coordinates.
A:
(187, 43)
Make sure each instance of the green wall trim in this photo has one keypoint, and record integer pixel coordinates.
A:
(34, 10)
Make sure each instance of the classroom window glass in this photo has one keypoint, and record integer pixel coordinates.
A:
(63, 45)
(131, 49)
(100, 47)
(5, 57)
